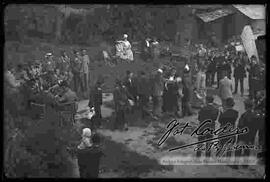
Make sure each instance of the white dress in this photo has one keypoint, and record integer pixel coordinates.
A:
(128, 54)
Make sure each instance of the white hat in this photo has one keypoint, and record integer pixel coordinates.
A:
(86, 132)
(125, 36)
(186, 67)
(48, 54)
(171, 78)
(160, 70)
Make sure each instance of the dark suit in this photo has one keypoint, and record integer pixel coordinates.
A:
(187, 94)
(247, 119)
(254, 80)
(239, 75)
(96, 102)
(121, 103)
(88, 161)
(210, 73)
(228, 116)
(131, 87)
(157, 92)
(144, 90)
(209, 112)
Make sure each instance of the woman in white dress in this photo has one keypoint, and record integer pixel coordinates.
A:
(128, 54)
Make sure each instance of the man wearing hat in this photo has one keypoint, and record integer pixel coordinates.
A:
(225, 88)
(187, 92)
(158, 87)
(208, 112)
(85, 70)
(120, 98)
(49, 64)
(95, 101)
(247, 119)
(77, 72)
(239, 75)
(144, 90)
(228, 117)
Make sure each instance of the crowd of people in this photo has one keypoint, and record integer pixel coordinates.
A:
(167, 91)
(48, 75)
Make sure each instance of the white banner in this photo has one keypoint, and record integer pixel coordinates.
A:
(248, 40)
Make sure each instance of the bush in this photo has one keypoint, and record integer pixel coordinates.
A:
(36, 148)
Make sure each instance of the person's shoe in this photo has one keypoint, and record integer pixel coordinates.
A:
(234, 92)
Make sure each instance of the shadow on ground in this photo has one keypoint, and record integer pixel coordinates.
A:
(127, 163)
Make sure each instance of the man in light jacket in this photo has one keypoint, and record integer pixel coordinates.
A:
(225, 88)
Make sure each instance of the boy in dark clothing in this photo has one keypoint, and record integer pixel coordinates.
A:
(89, 159)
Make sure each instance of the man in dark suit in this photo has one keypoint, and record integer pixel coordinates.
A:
(239, 75)
(259, 109)
(157, 92)
(144, 93)
(247, 119)
(254, 77)
(229, 116)
(208, 112)
(211, 71)
(131, 87)
(219, 59)
(96, 102)
(187, 92)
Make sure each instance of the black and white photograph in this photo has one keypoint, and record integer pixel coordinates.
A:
(134, 91)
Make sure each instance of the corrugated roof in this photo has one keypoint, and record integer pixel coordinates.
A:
(252, 11)
(211, 16)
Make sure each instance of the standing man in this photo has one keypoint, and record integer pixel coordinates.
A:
(239, 75)
(131, 87)
(121, 102)
(143, 92)
(228, 117)
(76, 68)
(201, 77)
(208, 112)
(220, 59)
(95, 102)
(259, 109)
(158, 87)
(254, 77)
(49, 64)
(85, 70)
(248, 119)
(64, 62)
(187, 92)
(225, 88)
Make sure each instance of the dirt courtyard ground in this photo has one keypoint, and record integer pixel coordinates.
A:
(135, 153)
